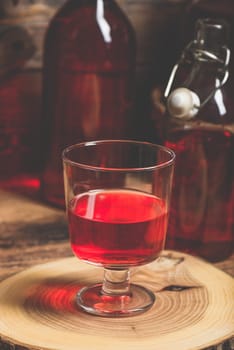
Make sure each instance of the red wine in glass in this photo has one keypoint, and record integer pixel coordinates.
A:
(117, 198)
(117, 227)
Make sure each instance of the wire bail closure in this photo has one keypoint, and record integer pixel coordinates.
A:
(202, 55)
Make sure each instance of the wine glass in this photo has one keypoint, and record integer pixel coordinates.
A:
(117, 197)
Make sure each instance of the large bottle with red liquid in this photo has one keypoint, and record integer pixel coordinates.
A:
(88, 89)
(22, 26)
(199, 127)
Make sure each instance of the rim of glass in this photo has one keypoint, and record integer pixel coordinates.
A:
(101, 168)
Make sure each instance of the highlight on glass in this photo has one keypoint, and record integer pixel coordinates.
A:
(117, 198)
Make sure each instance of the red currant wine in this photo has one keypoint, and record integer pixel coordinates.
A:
(117, 227)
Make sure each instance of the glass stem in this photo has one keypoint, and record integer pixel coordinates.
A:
(116, 282)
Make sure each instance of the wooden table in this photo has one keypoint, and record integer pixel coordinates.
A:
(32, 233)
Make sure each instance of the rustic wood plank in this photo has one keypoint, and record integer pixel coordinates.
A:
(30, 233)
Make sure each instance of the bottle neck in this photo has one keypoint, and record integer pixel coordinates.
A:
(207, 67)
(201, 72)
(205, 72)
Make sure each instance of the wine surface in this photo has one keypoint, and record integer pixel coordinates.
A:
(117, 227)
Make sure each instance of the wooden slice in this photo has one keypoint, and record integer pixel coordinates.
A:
(193, 308)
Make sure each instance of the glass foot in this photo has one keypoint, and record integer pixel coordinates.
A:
(94, 301)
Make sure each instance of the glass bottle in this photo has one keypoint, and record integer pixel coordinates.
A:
(22, 27)
(199, 127)
(89, 68)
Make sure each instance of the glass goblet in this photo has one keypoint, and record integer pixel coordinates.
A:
(117, 198)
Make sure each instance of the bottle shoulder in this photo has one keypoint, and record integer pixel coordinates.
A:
(84, 28)
(84, 13)
(215, 94)
(85, 40)
(217, 114)
(219, 109)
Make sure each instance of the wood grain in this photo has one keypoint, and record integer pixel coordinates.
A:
(31, 233)
(193, 308)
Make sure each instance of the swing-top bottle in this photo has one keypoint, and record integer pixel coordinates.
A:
(199, 127)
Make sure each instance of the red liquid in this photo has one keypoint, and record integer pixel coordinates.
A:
(117, 227)
(201, 214)
(19, 139)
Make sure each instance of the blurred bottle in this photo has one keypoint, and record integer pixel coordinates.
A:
(199, 127)
(160, 26)
(22, 28)
(168, 38)
(89, 68)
